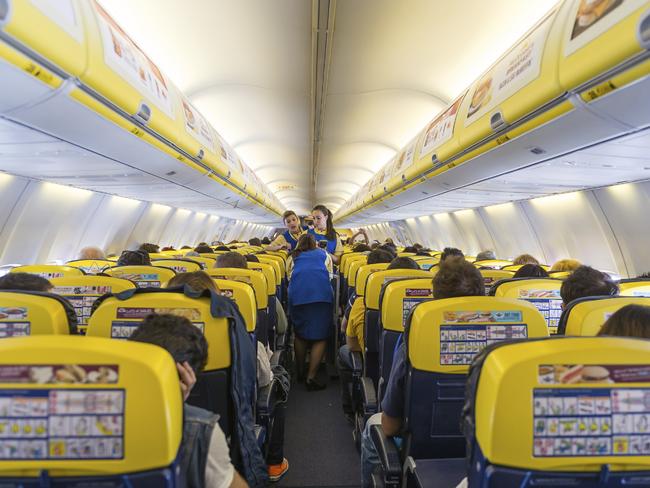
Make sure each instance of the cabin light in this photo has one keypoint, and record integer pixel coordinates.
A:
(537, 150)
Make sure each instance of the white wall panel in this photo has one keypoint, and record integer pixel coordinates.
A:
(511, 231)
(476, 236)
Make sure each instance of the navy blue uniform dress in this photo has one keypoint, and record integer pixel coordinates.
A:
(311, 296)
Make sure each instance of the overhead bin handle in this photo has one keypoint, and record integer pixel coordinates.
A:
(5, 8)
(497, 122)
(643, 30)
(144, 113)
(200, 154)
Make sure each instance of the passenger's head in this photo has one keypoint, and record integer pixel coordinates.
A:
(231, 260)
(389, 248)
(266, 241)
(291, 220)
(586, 282)
(418, 246)
(628, 321)
(457, 278)
(644, 276)
(565, 265)
(403, 263)
(203, 249)
(531, 271)
(255, 241)
(134, 258)
(411, 249)
(485, 255)
(379, 256)
(148, 247)
(449, 252)
(251, 258)
(389, 241)
(167, 248)
(91, 252)
(222, 248)
(186, 247)
(523, 259)
(197, 280)
(191, 254)
(24, 281)
(361, 248)
(323, 221)
(177, 335)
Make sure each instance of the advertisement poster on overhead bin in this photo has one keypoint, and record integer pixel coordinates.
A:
(404, 159)
(229, 157)
(441, 129)
(515, 70)
(64, 14)
(126, 58)
(592, 18)
(196, 125)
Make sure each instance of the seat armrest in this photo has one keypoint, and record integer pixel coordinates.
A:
(368, 396)
(275, 358)
(357, 362)
(389, 455)
(266, 399)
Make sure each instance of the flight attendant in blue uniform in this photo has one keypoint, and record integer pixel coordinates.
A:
(289, 238)
(324, 231)
(311, 301)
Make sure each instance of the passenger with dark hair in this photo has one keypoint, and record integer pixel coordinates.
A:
(410, 249)
(389, 248)
(311, 301)
(354, 336)
(207, 459)
(203, 249)
(644, 276)
(25, 281)
(148, 247)
(586, 281)
(361, 248)
(375, 244)
(455, 278)
(324, 233)
(448, 252)
(186, 247)
(222, 248)
(134, 258)
(255, 241)
(251, 258)
(231, 259)
(531, 271)
(628, 321)
(167, 248)
(487, 255)
(525, 259)
(289, 238)
(266, 241)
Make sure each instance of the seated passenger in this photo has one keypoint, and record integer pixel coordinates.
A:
(455, 278)
(203, 249)
(134, 258)
(207, 460)
(525, 259)
(485, 255)
(354, 339)
(361, 248)
(25, 281)
(628, 321)
(390, 248)
(277, 464)
(565, 265)
(266, 241)
(251, 258)
(167, 248)
(410, 249)
(448, 252)
(586, 282)
(91, 252)
(222, 248)
(148, 247)
(531, 271)
(255, 241)
(362, 233)
(231, 259)
(186, 247)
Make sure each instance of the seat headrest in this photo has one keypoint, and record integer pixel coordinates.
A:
(35, 313)
(585, 316)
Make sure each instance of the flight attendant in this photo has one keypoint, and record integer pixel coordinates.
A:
(311, 300)
(324, 232)
(289, 238)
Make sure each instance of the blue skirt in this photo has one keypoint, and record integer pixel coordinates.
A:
(312, 321)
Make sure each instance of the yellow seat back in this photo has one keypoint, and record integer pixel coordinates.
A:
(48, 270)
(256, 279)
(143, 276)
(346, 256)
(353, 269)
(244, 296)
(563, 405)
(205, 262)
(178, 265)
(492, 263)
(544, 293)
(281, 254)
(400, 297)
(426, 263)
(491, 276)
(27, 313)
(560, 275)
(91, 266)
(83, 291)
(516, 267)
(269, 275)
(634, 288)
(379, 279)
(84, 406)
(585, 317)
(363, 273)
(445, 335)
(277, 265)
(118, 319)
(158, 255)
(347, 270)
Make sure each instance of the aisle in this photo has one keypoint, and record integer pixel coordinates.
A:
(318, 441)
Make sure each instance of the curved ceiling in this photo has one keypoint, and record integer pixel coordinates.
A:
(316, 96)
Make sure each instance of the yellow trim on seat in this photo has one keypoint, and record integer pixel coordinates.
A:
(269, 275)
(377, 280)
(256, 279)
(277, 264)
(143, 276)
(634, 288)
(363, 273)
(26, 314)
(48, 271)
(400, 297)
(178, 265)
(586, 318)
(244, 296)
(91, 266)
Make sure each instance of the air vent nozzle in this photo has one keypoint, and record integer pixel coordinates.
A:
(144, 113)
(497, 122)
(644, 30)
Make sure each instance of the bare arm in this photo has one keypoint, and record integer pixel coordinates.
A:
(390, 425)
(353, 343)
(238, 481)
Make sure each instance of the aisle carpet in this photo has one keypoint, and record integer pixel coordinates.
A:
(318, 441)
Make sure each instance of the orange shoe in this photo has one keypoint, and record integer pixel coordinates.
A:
(277, 471)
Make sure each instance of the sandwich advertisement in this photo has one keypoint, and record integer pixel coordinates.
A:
(573, 374)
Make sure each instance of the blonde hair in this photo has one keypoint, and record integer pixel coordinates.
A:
(566, 265)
